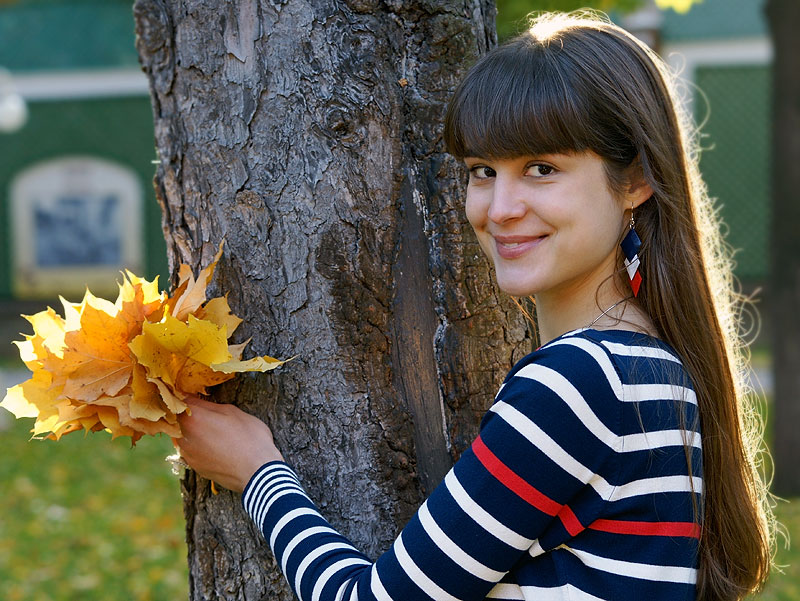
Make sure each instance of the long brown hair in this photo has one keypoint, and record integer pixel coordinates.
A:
(575, 82)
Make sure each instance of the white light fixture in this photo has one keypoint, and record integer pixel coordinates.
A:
(13, 110)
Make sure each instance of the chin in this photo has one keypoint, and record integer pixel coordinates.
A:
(516, 288)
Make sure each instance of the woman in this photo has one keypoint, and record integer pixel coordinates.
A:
(615, 462)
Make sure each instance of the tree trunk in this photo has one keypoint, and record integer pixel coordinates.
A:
(308, 136)
(784, 291)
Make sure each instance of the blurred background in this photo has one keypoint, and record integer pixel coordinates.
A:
(91, 519)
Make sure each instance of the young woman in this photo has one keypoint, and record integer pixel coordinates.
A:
(616, 462)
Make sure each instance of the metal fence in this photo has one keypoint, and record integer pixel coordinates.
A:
(736, 161)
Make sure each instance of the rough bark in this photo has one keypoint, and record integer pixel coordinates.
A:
(308, 136)
(784, 290)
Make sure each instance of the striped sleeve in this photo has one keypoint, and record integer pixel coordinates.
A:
(542, 445)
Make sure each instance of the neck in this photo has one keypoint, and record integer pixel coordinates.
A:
(560, 313)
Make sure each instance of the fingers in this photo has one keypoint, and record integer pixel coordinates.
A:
(224, 443)
(198, 402)
(199, 411)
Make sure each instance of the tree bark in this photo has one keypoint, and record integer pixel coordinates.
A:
(784, 291)
(308, 136)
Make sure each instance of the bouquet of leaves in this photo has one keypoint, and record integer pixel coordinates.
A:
(128, 366)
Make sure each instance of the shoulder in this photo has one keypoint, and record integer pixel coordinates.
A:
(566, 395)
(574, 359)
(597, 370)
(615, 357)
(572, 376)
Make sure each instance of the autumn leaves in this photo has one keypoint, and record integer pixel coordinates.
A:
(128, 367)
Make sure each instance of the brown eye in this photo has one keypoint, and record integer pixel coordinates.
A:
(540, 170)
(482, 172)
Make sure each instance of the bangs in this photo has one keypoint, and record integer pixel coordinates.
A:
(517, 101)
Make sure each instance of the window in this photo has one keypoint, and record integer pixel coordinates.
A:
(76, 222)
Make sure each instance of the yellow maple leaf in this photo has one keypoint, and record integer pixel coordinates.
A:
(110, 418)
(79, 358)
(237, 350)
(173, 399)
(146, 402)
(132, 286)
(138, 300)
(48, 337)
(181, 353)
(255, 364)
(218, 311)
(191, 293)
(123, 405)
(32, 398)
(74, 416)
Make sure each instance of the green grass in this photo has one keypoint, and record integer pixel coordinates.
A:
(92, 519)
(784, 583)
(89, 518)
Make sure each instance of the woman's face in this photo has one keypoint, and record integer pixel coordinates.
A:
(549, 223)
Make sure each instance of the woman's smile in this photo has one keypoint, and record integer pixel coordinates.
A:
(513, 247)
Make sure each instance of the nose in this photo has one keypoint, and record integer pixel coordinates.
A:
(507, 200)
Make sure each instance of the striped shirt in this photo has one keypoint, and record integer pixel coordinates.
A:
(577, 487)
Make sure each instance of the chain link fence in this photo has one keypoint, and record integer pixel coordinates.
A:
(736, 158)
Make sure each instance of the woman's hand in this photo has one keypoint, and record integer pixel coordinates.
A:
(224, 444)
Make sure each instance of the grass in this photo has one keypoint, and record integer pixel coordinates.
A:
(89, 518)
(92, 519)
(784, 583)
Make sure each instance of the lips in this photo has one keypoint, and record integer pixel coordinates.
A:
(512, 247)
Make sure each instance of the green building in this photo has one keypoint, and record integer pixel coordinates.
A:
(76, 195)
(723, 50)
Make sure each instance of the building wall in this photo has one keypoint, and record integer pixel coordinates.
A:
(62, 35)
(716, 20)
(115, 129)
(736, 164)
(75, 63)
(722, 49)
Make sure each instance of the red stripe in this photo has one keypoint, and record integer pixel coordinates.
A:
(570, 520)
(512, 481)
(687, 529)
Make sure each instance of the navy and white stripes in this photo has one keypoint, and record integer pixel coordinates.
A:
(577, 487)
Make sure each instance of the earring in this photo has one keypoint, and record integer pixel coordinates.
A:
(630, 247)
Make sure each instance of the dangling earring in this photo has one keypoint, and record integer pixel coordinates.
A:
(630, 247)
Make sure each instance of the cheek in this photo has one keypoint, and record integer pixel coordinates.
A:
(477, 211)
(600, 233)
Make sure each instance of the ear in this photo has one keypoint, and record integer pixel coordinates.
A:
(638, 190)
(638, 193)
